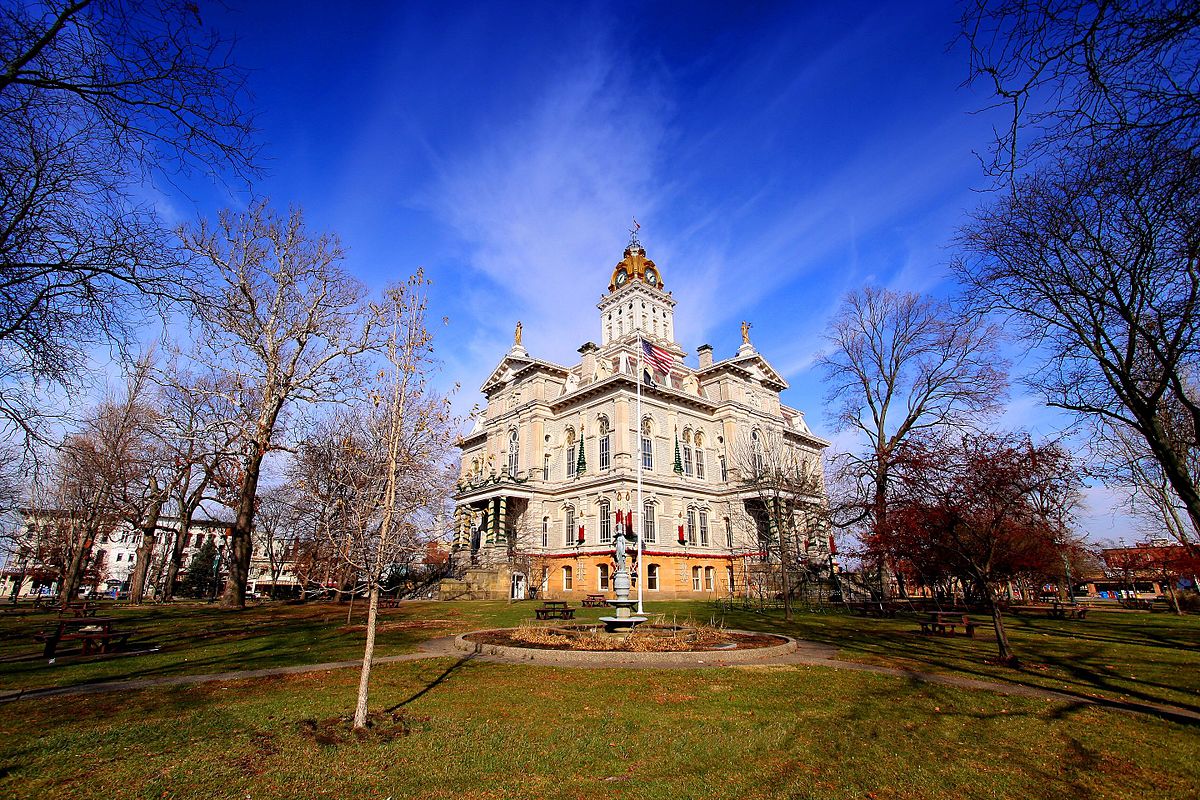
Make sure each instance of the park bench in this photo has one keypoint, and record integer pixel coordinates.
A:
(555, 612)
(594, 601)
(1137, 604)
(389, 602)
(945, 624)
(80, 610)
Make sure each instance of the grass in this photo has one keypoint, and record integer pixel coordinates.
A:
(1134, 656)
(483, 730)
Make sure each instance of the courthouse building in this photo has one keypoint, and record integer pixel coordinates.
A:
(550, 468)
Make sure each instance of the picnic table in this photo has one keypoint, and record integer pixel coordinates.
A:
(1057, 611)
(1137, 603)
(945, 623)
(96, 634)
(594, 601)
(84, 609)
(389, 602)
(557, 609)
(876, 609)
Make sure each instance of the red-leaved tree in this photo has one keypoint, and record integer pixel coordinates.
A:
(980, 507)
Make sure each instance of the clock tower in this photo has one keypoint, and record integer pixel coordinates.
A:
(636, 302)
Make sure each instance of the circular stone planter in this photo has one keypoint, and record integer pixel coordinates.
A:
(625, 658)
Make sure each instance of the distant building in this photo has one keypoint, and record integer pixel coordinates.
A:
(42, 548)
(550, 468)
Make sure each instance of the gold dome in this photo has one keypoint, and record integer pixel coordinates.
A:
(635, 266)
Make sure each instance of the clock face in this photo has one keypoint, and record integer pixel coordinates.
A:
(651, 277)
(622, 276)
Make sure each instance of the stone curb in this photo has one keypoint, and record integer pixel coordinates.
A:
(715, 658)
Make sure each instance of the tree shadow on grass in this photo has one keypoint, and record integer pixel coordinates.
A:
(438, 681)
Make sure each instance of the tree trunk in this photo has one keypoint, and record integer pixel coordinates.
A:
(241, 544)
(364, 679)
(145, 551)
(73, 578)
(1005, 652)
(187, 511)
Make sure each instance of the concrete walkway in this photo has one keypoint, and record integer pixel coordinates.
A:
(807, 654)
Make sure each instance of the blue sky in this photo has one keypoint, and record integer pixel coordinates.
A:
(776, 155)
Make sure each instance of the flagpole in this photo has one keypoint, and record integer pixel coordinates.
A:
(638, 453)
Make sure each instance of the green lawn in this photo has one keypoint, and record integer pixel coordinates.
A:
(1119, 655)
(481, 730)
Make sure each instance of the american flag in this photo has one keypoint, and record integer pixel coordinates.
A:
(658, 358)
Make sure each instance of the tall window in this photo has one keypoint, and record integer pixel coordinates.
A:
(709, 578)
(514, 451)
(605, 522)
(545, 531)
(699, 463)
(729, 579)
(570, 526)
(648, 534)
(605, 444)
(567, 581)
(546, 467)
(687, 460)
(652, 577)
(691, 526)
(695, 579)
(756, 446)
(724, 469)
(647, 446)
(602, 577)
(704, 529)
(571, 454)
(728, 533)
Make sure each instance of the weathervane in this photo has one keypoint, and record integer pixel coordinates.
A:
(633, 234)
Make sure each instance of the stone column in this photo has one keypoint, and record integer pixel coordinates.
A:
(502, 521)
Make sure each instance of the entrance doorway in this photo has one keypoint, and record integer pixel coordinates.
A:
(519, 586)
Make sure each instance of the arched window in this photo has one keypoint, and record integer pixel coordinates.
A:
(695, 579)
(687, 452)
(545, 531)
(703, 528)
(568, 583)
(700, 465)
(709, 578)
(648, 530)
(605, 522)
(691, 526)
(605, 444)
(571, 454)
(728, 533)
(724, 468)
(569, 527)
(757, 449)
(602, 577)
(652, 577)
(647, 444)
(546, 467)
(514, 451)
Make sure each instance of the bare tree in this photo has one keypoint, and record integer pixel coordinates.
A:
(201, 430)
(1094, 249)
(98, 99)
(1097, 262)
(390, 461)
(899, 364)
(790, 509)
(285, 323)
(1072, 76)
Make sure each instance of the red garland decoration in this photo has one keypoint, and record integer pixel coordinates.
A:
(681, 540)
(581, 534)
